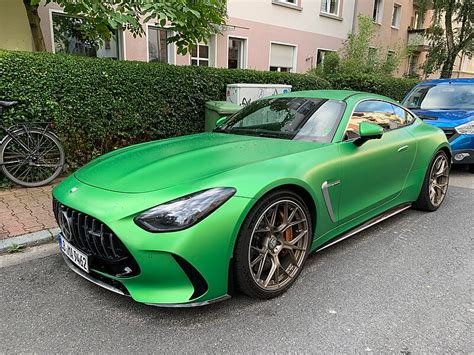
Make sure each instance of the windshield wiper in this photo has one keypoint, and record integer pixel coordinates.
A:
(220, 130)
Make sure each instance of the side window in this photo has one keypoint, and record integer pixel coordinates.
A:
(378, 112)
(384, 114)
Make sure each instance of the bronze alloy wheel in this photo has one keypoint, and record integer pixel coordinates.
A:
(439, 178)
(278, 244)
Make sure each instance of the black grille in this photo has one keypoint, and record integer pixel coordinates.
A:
(106, 251)
(450, 133)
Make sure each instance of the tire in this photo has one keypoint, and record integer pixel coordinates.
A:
(281, 246)
(471, 168)
(425, 201)
(48, 141)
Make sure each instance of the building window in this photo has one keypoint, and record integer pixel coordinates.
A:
(282, 57)
(413, 64)
(321, 53)
(236, 53)
(68, 39)
(417, 21)
(378, 11)
(200, 55)
(330, 7)
(397, 10)
(292, 2)
(159, 50)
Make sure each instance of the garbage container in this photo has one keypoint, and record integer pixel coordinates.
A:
(216, 110)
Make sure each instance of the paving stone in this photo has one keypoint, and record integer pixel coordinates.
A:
(25, 210)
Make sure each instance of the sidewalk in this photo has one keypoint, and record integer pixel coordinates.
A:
(24, 211)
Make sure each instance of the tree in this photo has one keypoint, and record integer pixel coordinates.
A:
(358, 56)
(451, 33)
(191, 21)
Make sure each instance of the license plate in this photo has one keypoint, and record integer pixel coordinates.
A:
(77, 257)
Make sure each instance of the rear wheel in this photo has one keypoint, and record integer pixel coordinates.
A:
(435, 185)
(33, 158)
(272, 245)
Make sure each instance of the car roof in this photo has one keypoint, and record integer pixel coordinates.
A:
(448, 81)
(339, 95)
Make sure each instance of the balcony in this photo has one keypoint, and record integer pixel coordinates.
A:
(418, 39)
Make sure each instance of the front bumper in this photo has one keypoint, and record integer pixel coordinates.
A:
(184, 268)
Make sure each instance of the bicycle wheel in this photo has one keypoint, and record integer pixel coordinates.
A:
(33, 158)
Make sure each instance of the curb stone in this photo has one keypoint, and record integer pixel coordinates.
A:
(30, 239)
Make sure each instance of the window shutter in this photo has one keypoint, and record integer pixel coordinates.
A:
(282, 56)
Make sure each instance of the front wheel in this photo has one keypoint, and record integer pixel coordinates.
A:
(435, 185)
(273, 244)
(32, 157)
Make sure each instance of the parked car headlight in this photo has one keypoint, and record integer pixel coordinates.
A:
(466, 128)
(184, 212)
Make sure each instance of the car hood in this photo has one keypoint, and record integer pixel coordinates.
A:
(161, 164)
(445, 118)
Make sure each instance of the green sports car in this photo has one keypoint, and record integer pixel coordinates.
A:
(185, 221)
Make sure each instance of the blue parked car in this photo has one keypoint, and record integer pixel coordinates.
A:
(449, 105)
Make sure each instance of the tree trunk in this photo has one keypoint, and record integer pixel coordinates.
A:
(448, 65)
(34, 20)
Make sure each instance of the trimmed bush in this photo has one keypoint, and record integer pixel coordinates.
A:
(395, 88)
(100, 104)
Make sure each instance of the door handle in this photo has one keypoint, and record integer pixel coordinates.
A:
(402, 148)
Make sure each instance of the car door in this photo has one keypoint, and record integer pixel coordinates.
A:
(374, 172)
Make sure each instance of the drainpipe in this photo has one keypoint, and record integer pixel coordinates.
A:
(354, 15)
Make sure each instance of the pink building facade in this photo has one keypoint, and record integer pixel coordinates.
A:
(279, 35)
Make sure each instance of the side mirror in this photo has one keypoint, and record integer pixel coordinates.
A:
(368, 131)
(220, 121)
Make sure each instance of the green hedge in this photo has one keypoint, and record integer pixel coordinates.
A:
(396, 88)
(100, 104)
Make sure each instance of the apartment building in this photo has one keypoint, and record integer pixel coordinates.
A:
(279, 35)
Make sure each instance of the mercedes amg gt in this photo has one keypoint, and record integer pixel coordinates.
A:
(187, 221)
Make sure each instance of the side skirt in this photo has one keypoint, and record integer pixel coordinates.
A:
(381, 217)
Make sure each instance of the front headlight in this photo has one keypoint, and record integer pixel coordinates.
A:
(184, 212)
(466, 128)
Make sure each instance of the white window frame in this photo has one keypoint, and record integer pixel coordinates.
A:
(379, 14)
(120, 34)
(198, 58)
(323, 50)
(328, 6)
(295, 54)
(396, 8)
(244, 56)
(291, 2)
(171, 46)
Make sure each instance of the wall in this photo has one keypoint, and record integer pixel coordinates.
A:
(15, 31)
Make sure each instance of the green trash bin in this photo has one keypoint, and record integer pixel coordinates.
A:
(216, 110)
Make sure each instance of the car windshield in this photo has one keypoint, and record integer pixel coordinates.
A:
(287, 118)
(441, 97)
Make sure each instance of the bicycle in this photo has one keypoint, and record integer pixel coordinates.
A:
(31, 155)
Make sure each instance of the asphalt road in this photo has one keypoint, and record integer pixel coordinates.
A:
(402, 286)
